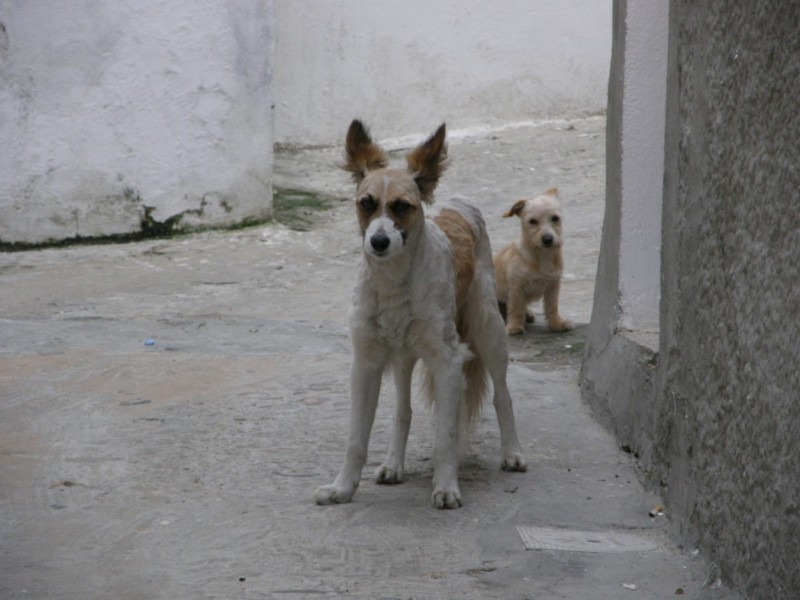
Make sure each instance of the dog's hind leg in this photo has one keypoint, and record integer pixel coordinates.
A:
(449, 384)
(365, 386)
(491, 347)
(392, 469)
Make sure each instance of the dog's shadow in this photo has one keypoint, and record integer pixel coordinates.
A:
(540, 344)
(473, 469)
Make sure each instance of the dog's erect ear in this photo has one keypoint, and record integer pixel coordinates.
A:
(361, 154)
(552, 192)
(515, 209)
(427, 162)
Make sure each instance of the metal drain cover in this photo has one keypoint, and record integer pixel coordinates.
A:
(572, 540)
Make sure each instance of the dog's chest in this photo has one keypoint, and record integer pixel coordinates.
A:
(391, 315)
(400, 314)
(535, 285)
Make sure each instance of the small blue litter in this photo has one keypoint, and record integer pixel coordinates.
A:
(149, 342)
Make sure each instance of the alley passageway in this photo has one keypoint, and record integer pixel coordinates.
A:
(167, 408)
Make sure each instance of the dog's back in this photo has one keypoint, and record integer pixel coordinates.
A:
(462, 222)
(462, 235)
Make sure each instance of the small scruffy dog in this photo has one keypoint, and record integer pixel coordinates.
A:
(425, 291)
(530, 268)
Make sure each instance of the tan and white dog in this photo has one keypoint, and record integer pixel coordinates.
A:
(425, 290)
(530, 268)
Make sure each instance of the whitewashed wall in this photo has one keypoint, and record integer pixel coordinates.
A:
(113, 111)
(642, 163)
(407, 66)
(117, 113)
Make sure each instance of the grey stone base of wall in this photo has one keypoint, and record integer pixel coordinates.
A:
(618, 383)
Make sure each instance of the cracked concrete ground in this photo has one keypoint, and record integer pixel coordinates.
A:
(184, 468)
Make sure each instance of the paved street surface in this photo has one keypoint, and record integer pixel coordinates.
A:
(168, 407)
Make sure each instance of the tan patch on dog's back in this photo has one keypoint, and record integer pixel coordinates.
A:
(462, 240)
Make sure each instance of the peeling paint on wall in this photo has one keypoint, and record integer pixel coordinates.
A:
(171, 100)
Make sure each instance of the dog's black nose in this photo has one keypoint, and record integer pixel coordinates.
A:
(379, 242)
(547, 239)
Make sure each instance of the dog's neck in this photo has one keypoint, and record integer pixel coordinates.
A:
(384, 289)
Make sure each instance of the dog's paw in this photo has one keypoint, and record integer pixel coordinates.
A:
(332, 494)
(561, 325)
(388, 475)
(514, 461)
(446, 498)
(515, 329)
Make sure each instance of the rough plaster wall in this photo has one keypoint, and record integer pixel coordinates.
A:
(407, 66)
(117, 113)
(731, 295)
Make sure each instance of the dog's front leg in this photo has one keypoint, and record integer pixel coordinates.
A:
(365, 386)
(554, 320)
(448, 385)
(516, 311)
(392, 469)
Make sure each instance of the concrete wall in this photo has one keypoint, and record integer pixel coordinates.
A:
(119, 115)
(714, 413)
(123, 117)
(407, 66)
(730, 378)
(624, 327)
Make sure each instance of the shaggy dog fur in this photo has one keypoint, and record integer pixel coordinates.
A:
(425, 291)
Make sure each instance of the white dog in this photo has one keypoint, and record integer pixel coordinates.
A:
(425, 290)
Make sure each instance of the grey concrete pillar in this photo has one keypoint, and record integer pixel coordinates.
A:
(618, 369)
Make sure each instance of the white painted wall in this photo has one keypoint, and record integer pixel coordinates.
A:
(110, 107)
(407, 66)
(642, 162)
(110, 111)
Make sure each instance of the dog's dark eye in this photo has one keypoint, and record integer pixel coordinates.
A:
(533, 221)
(555, 219)
(401, 207)
(368, 204)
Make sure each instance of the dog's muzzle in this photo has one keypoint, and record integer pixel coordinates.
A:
(380, 242)
(383, 239)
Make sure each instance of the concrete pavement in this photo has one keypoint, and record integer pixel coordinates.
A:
(168, 407)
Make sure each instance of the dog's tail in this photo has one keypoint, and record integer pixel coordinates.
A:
(475, 385)
(475, 379)
(473, 320)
